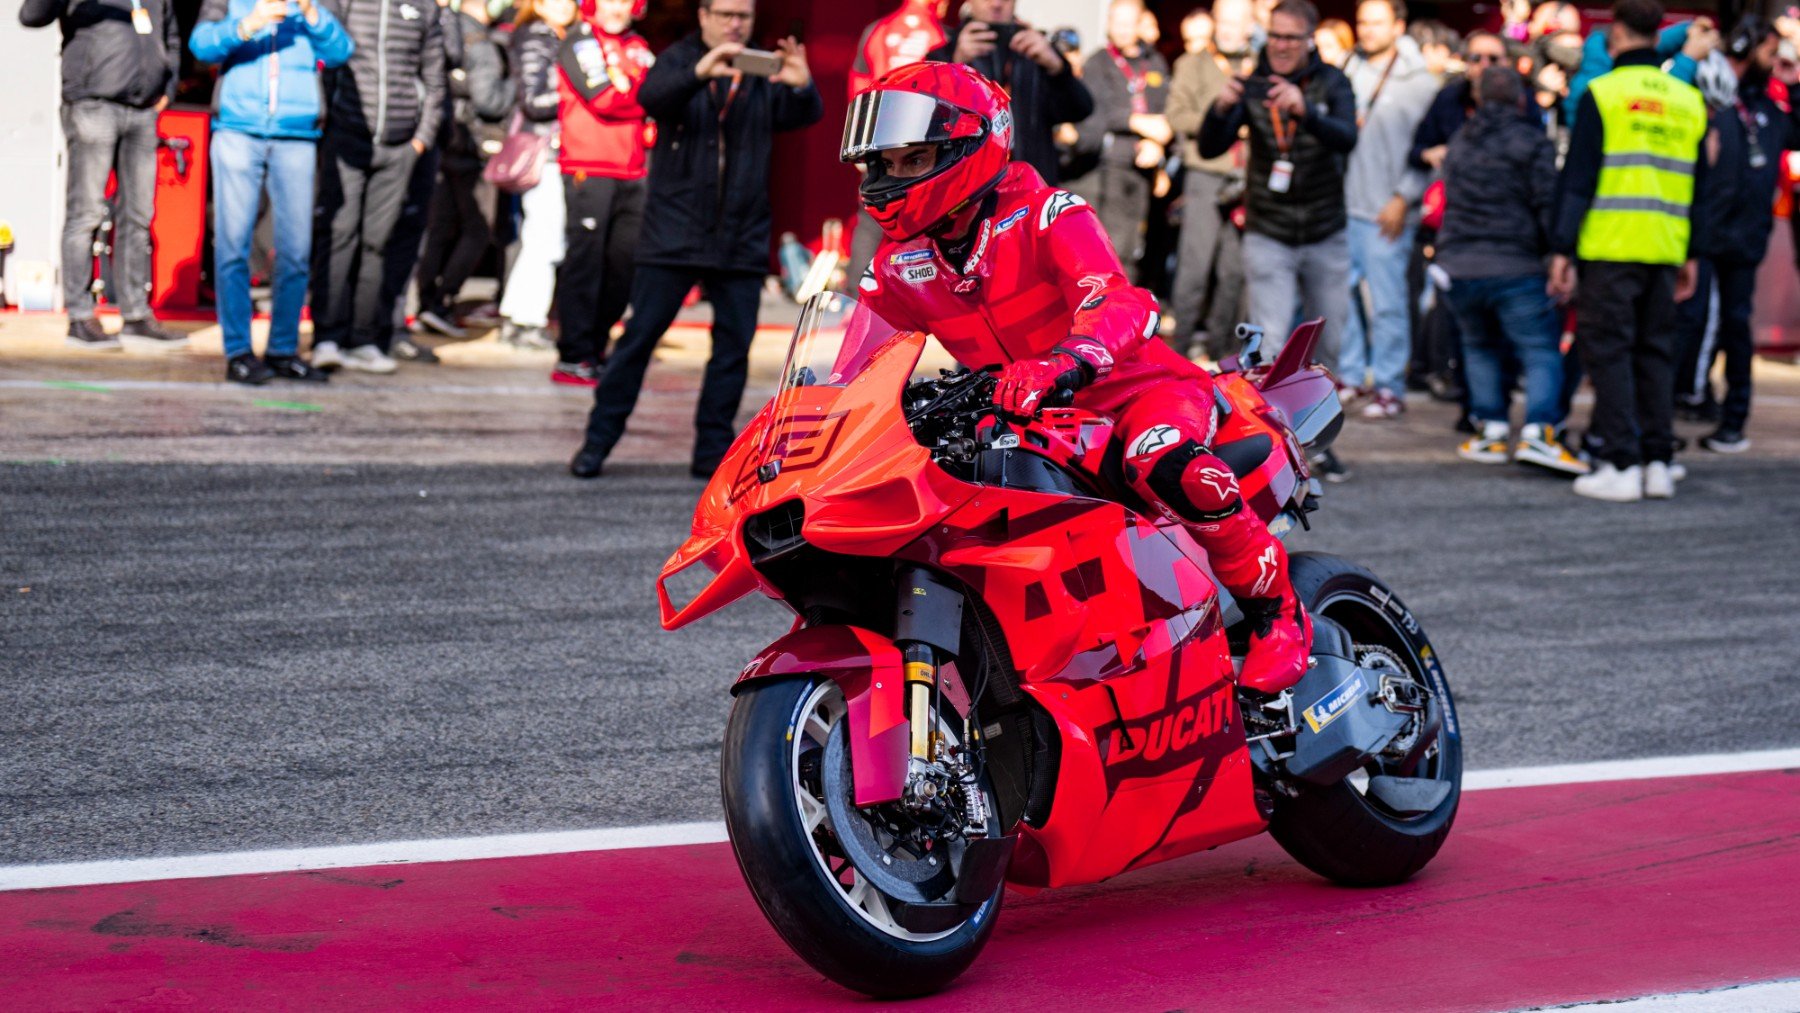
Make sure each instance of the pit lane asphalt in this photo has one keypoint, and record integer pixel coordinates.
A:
(220, 657)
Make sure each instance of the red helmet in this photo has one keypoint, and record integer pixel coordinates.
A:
(949, 105)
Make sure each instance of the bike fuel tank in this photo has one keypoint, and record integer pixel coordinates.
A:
(1341, 720)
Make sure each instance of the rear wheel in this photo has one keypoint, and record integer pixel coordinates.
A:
(835, 880)
(1341, 831)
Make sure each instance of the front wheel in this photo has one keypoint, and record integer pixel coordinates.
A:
(1341, 831)
(833, 879)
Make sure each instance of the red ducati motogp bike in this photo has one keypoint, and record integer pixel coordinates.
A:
(1005, 669)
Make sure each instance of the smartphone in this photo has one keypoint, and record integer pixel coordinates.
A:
(758, 62)
(1256, 87)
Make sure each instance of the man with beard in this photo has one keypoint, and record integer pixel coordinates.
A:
(1742, 152)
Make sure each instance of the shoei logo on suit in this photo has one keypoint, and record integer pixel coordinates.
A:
(409, 12)
(921, 273)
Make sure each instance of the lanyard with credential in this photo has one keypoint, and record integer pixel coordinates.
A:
(1389, 69)
(1135, 83)
(1758, 158)
(1284, 132)
(1281, 174)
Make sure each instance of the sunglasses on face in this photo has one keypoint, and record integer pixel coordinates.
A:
(1278, 37)
(1486, 58)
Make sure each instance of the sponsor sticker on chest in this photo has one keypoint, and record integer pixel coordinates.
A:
(919, 273)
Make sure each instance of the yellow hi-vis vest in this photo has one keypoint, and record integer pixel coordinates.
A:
(1652, 125)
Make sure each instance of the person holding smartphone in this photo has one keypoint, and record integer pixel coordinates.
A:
(265, 132)
(1301, 115)
(1020, 59)
(706, 217)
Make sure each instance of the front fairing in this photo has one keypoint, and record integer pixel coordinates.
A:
(834, 438)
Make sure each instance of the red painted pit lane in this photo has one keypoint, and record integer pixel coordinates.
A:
(1542, 895)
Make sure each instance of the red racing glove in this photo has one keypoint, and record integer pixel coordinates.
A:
(1024, 384)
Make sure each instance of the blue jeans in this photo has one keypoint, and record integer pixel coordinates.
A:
(1502, 317)
(241, 166)
(1382, 345)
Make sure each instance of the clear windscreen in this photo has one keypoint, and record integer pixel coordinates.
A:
(832, 343)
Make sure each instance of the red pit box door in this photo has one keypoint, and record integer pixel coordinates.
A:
(178, 230)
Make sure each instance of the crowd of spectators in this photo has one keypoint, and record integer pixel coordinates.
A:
(1450, 205)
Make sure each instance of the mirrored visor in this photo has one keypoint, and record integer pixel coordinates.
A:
(880, 120)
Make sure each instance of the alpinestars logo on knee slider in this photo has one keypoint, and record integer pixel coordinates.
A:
(1154, 439)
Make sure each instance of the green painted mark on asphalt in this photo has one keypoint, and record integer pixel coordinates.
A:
(289, 406)
(73, 385)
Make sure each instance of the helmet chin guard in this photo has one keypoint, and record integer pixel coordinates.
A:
(964, 116)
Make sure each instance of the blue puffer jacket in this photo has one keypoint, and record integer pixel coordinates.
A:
(284, 98)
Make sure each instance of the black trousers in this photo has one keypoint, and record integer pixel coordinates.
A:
(1696, 342)
(362, 187)
(656, 295)
(1737, 298)
(1625, 327)
(406, 243)
(457, 235)
(593, 286)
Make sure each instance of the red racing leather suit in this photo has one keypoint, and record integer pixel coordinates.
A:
(1039, 278)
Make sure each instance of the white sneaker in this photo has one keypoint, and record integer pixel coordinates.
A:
(1659, 480)
(1612, 484)
(327, 355)
(366, 359)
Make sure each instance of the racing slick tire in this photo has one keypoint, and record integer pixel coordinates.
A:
(1338, 831)
(771, 753)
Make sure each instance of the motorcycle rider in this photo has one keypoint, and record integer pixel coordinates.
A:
(1008, 271)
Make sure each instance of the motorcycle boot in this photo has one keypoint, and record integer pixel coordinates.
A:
(1253, 566)
(1175, 472)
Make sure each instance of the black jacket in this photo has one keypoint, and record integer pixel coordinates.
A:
(1449, 111)
(1581, 168)
(1040, 101)
(1312, 210)
(708, 207)
(1736, 201)
(481, 95)
(1499, 193)
(394, 85)
(104, 57)
(534, 50)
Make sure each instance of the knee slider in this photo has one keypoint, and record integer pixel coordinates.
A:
(1197, 486)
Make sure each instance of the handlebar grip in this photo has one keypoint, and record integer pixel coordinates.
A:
(1061, 397)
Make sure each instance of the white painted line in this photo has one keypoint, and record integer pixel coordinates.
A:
(450, 849)
(459, 849)
(1769, 997)
(1632, 770)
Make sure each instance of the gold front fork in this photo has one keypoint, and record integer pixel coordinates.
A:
(921, 679)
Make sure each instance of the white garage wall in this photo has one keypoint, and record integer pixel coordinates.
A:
(31, 146)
